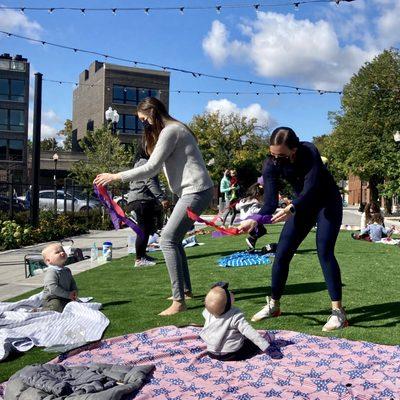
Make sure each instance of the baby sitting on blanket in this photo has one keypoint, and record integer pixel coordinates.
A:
(59, 285)
(229, 337)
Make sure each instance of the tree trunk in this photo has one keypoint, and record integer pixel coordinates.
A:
(373, 188)
(388, 205)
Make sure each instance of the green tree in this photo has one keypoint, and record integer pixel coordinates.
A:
(49, 144)
(362, 140)
(66, 135)
(231, 141)
(105, 153)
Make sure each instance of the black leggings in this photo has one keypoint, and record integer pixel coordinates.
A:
(146, 218)
(328, 219)
(248, 350)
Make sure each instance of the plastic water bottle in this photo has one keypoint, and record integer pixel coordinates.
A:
(94, 253)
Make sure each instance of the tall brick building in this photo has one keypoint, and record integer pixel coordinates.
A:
(14, 106)
(104, 85)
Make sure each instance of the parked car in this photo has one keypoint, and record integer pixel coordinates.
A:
(46, 201)
(17, 204)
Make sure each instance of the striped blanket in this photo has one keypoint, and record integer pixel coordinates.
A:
(21, 328)
(295, 366)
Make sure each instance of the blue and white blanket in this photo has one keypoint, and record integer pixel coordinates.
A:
(22, 327)
(244, 259)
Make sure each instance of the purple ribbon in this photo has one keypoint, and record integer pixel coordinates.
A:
(116, 218)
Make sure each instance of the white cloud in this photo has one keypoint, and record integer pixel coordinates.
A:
(51, 124)
(322, 53)
(226, 107)
(17, 22)
(281, 46)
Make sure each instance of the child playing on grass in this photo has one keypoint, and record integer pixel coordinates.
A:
(374, 231)
(250, 205)
(229, 337)
(59, 285)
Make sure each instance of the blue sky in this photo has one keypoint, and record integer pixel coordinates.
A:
(318, 46)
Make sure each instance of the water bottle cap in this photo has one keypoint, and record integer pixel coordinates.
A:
(107, 243)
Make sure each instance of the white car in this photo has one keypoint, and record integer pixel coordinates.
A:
(46, 201)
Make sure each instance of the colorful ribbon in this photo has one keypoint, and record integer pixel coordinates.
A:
(116, 213)
(224, 231)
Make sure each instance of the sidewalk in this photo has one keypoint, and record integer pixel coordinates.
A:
(389, 221)
(12, 270)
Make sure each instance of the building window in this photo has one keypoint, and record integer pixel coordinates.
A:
(3, 149)
(129, 124)
(132, 95)
(12, 89)
(17, 122)
(118, 94)
(11, 149)
(4, 90)
(17, 90)
(12, 120)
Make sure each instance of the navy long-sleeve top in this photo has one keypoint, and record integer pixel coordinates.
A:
(312, 183)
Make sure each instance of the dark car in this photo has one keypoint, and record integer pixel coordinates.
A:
(17, 204)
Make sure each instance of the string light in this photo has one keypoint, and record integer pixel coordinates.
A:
(153, 65)
(180, 91)
(181, 9)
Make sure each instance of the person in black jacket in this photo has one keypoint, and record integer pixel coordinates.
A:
(318, 202)
(145, 198)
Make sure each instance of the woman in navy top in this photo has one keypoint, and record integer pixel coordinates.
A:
(317, 201)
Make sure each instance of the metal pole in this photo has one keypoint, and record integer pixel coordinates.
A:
(55, 187)
(11, 197)
(65, 196)
(37, 121)
(73, 198)
(87, 206)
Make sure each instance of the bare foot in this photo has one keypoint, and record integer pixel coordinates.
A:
(175, 308)
(188, 296)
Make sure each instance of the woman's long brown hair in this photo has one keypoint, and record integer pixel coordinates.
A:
(155, 109)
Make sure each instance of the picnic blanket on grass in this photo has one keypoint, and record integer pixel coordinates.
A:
(21, 328)
(244, 259)
(295, 366)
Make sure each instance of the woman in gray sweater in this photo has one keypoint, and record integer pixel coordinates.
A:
(173, 147)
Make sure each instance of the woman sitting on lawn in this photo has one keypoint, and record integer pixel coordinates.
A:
(173, 145)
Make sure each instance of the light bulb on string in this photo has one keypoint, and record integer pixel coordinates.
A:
(218, 9)
(146, 11)
(181, 10)
(114, 11)
(51, 10)
(296, 6)
(83, 11)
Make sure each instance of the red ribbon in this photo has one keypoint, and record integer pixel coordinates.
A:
(226, 231)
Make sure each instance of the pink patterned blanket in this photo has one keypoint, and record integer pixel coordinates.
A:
(296, 366)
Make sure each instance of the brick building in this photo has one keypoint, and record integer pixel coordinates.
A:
(14, 106)
(104, 85)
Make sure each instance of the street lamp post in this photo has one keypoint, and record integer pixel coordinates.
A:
(112, 118)
(55, 159)
(396, 138)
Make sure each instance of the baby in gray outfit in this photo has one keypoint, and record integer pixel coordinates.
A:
(229, 337)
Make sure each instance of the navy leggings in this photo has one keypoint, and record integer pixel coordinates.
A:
(328, 219)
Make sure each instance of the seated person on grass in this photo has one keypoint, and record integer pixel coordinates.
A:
(229, 337)
(374, 231)
(59, 285)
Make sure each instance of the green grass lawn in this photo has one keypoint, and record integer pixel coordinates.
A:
(132, 298)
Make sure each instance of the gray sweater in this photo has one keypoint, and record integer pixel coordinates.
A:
(225, 334)
(184, 167)
(58, 283)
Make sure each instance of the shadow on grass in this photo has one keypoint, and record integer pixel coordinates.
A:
(217, 253)
(304, 251)
(292, 289)
(366, 314)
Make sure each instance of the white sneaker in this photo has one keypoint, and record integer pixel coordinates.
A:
(269, 310)
(337, 320)
(143, 262)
